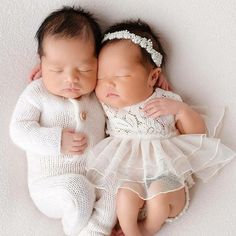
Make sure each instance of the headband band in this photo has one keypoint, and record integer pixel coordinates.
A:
(141, 41)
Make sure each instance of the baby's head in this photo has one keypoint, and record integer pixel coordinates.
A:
(129, 64)
(68, 44)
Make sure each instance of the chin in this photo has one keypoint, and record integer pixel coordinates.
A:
(71, 95)
(115, 105)
(110, 102)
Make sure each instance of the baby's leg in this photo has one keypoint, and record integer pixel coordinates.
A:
(104, 217)
(160, 208)
(127, 207)
(66, 197)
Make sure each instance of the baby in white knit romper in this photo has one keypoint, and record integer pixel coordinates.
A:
(58, 119)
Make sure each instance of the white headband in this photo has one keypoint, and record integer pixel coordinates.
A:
(141, 41)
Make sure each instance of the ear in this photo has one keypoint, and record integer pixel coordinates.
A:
(153, 76)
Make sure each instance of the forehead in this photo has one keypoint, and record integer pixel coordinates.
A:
(121, 49)
(79, 42)
(73, 48)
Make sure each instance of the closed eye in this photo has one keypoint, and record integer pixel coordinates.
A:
(85, 70)
(123, 76)
(116, 76)
(56, 70)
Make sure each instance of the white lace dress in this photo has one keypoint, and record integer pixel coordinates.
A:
(148, 156)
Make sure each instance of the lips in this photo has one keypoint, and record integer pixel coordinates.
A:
(112, 95)
(71, 90)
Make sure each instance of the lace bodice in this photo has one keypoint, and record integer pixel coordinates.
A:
(132, 121)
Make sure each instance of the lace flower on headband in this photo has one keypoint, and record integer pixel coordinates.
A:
(141, 41)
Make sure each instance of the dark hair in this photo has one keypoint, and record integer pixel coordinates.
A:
(142, 29)
(69, 22)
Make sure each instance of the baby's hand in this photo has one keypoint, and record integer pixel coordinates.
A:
(73, 143)
(164, 106)
(36, 73)
(163, 83)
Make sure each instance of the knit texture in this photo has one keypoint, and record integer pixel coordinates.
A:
(56, 182)
(104, 217)
(67, 197)
(37, 124)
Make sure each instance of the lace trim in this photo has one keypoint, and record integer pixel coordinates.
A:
(131, 121)
(172, 219)
(143, 211)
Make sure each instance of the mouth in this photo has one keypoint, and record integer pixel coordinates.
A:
(71, 90)
(112, 95)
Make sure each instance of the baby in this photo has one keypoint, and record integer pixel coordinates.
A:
(58, 119)
(145, 153)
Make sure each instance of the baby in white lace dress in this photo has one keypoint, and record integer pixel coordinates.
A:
(156, 141)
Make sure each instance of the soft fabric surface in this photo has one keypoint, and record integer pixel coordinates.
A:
(199, 37)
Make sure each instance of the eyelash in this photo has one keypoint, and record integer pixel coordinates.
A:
(117, 77)
(84, 70)
(59, 71)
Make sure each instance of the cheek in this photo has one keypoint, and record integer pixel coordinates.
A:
(141, 84)
(91, 83)
(128, 89)
(101, 91)
(98, 90)
(51, 82)
(89, 79)
(135, 90)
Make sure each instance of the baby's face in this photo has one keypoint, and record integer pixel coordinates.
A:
(123, 79)
(69, 66)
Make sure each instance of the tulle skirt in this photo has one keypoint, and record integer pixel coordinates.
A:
(150, 166)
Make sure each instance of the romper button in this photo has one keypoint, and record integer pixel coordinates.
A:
(83, 115)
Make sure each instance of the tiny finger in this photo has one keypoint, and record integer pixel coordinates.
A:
(154, 114)
(151, 110)
(77, 143)
(79, 136)
(79, 148)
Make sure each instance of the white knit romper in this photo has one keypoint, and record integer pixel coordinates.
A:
(57, 184)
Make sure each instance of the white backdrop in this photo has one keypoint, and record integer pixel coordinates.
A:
(200, 41)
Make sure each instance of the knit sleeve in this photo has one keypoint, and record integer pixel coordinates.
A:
(25, 130)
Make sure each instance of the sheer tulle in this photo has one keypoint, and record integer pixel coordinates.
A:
(148, 156)
(153, 166)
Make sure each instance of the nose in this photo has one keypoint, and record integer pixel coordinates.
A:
(110, 82)
(72, 76)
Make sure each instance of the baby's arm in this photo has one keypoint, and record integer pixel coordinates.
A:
(27, 133)
(188, 121)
